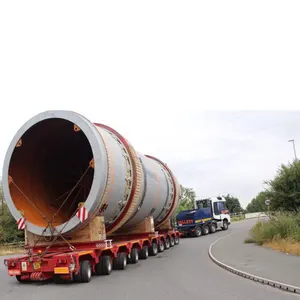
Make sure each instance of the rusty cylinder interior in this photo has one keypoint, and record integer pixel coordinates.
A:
(51, 159)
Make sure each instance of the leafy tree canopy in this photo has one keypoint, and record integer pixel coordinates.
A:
(187, 199)
(9, 232)
(258, 203)
(233, 204)
(284, 189)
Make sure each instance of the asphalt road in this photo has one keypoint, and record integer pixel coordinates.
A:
(257, 260)
(183, 272)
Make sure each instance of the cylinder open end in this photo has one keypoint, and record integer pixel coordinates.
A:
(47, 172)
(52, 170)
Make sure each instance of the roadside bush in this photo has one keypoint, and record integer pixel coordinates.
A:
(237, 218)
(279, 226)
(9, 232)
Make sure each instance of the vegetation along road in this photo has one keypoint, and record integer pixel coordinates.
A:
(183, 272)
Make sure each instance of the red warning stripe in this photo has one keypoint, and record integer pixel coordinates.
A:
(21, 223)
(82, 214)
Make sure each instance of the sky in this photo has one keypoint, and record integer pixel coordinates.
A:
(209, 87)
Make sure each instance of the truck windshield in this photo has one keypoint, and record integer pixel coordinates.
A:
(223, 205)
(205, 203)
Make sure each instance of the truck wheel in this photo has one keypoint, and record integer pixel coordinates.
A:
(177, 240)
(225, 225)
(161, 246)
(212, 228)
(104, 266)
(85, 271)
(205, 229)
(153, 249)
(198, 231)
(120, 262)
(144, 253)
(167, 243)
(172, 241)
(134, 256)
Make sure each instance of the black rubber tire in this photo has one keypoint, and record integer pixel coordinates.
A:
(134, 256)
(177, 239)
(167, 243)
(85, 271)
(172, 241)
(205, 229)
(18, 277)
(198, 231)
(104, 266)
(225, 225)
(120, 262)
(144, 253)
(161, 246)
(212, 227)
(153, 249)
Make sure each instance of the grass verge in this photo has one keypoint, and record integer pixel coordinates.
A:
(281, 232)
(237, 218)
(9, 250)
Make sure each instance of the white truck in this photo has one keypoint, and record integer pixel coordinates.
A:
(207, 216)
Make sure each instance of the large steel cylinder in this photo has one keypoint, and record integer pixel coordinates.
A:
(59, 163)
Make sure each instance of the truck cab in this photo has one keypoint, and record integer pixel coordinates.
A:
(207, 216)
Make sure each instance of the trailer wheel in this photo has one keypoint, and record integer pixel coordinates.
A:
(172, 241)
(144, 253)
(177, 240)
(104, 266)
(134, 256)
(161, 246)
(205, 230)
(167, 243)
(18, 277)
(212, 227)
(153, 249)
(120, 262)
(198, 231)
(85, 271)
(225, 225)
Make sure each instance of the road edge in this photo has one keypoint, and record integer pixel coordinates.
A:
(275, 284)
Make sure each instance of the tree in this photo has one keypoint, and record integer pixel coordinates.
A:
(9, 232)
(257, 204)
(233, 204)
(284, 189)
(187, 199)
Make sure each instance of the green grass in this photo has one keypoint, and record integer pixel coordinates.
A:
(237, 218)
(280, 232)
(249, 241)
(8, 249)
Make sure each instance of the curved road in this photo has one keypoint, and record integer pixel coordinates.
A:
(183, 272)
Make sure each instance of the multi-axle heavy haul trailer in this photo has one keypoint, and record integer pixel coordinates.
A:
(86, 200)
(61, 263)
